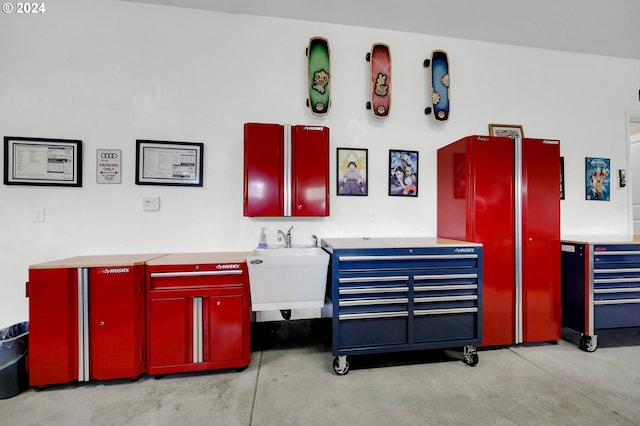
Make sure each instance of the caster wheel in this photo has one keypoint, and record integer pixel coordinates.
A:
(368, 105)
(426, 63)
(427, 110)
(588, 344)
(471, 359)
(286, 314)
(340, 370)
(369, 57)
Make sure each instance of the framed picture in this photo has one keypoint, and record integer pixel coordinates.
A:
(562, 178)
(168, 163)
(352, 171)
(598, 182)
(41, 161)
(509, 130)
(403, 173)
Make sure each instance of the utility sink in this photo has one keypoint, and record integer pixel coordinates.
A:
(287, 278)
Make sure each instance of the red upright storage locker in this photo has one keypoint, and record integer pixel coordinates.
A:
(504, 194)
(286, 170)
(86, 319)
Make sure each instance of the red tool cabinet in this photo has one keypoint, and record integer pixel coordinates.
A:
(86, 319)
(198, 312)
(286, 170)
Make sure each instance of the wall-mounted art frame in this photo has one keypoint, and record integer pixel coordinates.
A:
(352, 176)
(598, 181)
(168, 163)
(42, 161)
(403, 173)
(506, 130)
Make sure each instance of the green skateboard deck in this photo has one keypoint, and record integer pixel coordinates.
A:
(319, 73)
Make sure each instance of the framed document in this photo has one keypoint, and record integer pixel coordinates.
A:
(41, 161)
(168, 163)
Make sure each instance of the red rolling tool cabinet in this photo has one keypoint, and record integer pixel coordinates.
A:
(198, 312)
(86, 319)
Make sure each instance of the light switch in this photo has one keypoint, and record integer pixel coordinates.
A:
(38, 214)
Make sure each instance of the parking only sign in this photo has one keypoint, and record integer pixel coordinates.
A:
(109, 163)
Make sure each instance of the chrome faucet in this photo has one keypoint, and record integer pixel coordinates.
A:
(287, 237)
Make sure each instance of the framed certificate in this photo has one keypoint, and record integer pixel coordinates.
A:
(168, 163)
(41, 161)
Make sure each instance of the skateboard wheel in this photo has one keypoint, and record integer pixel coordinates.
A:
(426, 63)
(368, 56)
(427, 110)
(368, 105)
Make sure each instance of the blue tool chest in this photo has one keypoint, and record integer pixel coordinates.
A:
(393, 295)
(600, 288)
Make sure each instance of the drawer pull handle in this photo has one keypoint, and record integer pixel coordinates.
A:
(371, 315)
(372, 279)
(194, 273)
(445, 298)
(369, 302)
(359, 290)
(445, 311)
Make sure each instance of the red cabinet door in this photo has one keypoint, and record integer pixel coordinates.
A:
(541, 304)
(263, 169)
(223, 331)
(170, 331)
(309, 171)
(116, 324)
(53, 326)
(491, 221)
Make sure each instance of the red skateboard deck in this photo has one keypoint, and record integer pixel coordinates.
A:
(380, 59)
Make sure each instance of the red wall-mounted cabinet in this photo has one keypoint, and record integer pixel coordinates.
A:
(286, 170)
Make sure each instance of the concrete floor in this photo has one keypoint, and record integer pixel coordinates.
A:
(293, 383)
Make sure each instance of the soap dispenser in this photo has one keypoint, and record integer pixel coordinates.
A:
(262, 244)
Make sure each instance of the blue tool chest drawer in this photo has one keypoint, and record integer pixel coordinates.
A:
(404, 294)
(600, 288)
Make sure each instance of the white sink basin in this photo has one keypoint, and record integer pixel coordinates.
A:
(287, 278)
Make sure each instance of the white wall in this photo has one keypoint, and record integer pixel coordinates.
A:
(110, 72)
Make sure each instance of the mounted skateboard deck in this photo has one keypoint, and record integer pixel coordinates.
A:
(319, 73)
(439, 85)
(380, 59)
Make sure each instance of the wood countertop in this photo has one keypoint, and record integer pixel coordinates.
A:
(106, 260)
(600, 239)
(409, 242)
(200, 258)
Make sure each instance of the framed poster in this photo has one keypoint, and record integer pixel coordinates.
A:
(598, 182)
(403, 173)
(42, 161)
(352, 171)
(168, 163)
(508, 130)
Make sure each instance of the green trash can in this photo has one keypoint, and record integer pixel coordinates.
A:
(14, 344)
